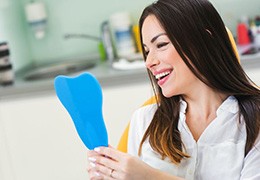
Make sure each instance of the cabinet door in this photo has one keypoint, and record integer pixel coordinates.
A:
(41, 140)
(6, 172)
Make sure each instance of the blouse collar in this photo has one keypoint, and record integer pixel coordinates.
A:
(229, 105)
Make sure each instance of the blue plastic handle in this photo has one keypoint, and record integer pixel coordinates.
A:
(82, 98)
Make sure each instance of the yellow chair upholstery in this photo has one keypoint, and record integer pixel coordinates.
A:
(232, 40)
(122, 145)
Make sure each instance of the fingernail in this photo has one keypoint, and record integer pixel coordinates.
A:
(92, 164)
(97, 174)
(97, 149)
(92, 159)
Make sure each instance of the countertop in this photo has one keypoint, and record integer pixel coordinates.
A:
(106, 76)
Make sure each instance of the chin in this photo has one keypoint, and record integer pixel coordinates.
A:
(168, 94)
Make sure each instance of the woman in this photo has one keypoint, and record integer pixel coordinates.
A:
(206, 122)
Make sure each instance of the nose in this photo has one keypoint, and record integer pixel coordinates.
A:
(151, 61)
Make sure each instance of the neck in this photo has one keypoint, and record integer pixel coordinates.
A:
(202, 105)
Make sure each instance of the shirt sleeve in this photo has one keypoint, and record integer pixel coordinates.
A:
(139, 123)
(133, 139)
(251, 168)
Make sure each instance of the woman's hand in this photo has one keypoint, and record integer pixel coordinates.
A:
(108, 163)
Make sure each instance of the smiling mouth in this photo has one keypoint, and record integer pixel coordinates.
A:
(162, 75)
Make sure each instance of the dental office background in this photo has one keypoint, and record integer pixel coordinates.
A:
(83, 17)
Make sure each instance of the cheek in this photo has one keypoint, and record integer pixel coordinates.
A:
(184, 74)
(171, 56)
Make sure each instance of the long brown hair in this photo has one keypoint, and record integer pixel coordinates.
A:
(199, 35)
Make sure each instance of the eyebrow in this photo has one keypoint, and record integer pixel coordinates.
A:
(156, 37)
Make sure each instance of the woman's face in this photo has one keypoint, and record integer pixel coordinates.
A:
(164, 62)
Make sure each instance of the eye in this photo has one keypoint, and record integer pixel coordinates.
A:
(146, 53)
(160, 45)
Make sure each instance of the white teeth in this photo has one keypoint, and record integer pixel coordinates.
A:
(158, 76)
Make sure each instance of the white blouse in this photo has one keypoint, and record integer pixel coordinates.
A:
(218, 154)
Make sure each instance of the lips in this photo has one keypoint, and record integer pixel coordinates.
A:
(163, 76)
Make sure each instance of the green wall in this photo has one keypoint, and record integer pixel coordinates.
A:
(84, 16)
(12, 30)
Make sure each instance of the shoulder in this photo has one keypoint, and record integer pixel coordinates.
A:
(142, 117)
(140, 121)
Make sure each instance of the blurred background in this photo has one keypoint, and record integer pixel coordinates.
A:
(42, 39)
(83, 16)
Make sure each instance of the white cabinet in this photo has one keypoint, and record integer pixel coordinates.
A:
(41, 141)
(38, 139)
(254, 75)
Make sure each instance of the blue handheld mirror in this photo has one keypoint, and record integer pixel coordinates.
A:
(82, 98)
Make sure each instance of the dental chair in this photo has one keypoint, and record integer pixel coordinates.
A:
(122, 145)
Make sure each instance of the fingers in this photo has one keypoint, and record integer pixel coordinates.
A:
(105, 163)
(94, 174)
(109, 152)
(109, 164)
(100, 171)
(99, 166)
(91, 153)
